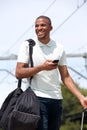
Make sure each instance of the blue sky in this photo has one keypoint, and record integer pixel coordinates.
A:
(69, 19)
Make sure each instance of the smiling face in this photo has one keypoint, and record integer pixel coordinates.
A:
(42, 29)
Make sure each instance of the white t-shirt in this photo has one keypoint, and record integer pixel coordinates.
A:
(45, 83)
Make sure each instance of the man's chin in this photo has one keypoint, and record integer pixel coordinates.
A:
(40, 37)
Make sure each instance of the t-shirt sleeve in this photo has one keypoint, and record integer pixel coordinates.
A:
(62, 60)
(23, 55)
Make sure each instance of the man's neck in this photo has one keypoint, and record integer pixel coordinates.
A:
(44, 41)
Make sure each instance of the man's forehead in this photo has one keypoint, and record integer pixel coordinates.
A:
(42, 20)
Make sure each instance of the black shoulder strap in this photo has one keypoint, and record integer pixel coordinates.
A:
(31, 44)
(19, 83)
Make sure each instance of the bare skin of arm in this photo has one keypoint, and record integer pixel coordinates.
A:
(24, 71)
(71, 86)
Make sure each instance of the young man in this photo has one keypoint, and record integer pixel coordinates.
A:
(45, 82)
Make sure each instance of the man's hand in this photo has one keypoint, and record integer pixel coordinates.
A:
(84, 102)
(49, 65)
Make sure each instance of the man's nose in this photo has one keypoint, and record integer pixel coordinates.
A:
(39, 27)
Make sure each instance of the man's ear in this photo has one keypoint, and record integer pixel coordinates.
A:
(51, 28)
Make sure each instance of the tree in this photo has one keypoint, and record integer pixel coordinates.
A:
(71, 108)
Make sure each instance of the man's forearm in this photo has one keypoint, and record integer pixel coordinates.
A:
(71, 86)
(28, 72)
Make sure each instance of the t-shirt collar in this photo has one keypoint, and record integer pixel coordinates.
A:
(49, 44)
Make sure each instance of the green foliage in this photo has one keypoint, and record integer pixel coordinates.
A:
(70, 102)
(70, 126)
(71, 106)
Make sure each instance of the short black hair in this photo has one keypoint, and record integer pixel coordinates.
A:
(42, 16)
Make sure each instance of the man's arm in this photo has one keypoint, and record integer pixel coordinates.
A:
(70, 84)
(24, 71)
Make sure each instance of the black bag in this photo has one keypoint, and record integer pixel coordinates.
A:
(24, 114)
(8, 106)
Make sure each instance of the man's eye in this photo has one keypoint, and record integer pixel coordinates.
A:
(36, 25)
(43, 25)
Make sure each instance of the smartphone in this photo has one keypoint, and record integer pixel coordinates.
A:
(55, 61)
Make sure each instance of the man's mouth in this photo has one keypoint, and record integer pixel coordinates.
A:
(40, 33)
